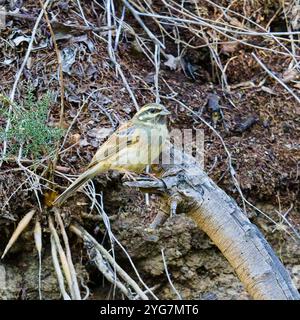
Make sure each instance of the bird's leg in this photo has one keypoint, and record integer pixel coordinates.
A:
(128, 175)
(151, 175)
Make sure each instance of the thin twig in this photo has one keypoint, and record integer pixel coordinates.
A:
(100, 208)
(142, 24)
(113, 58)
(168, 275)
(60, 68)
(33, 178)
(270, 73)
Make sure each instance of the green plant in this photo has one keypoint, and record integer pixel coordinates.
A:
(28, 127)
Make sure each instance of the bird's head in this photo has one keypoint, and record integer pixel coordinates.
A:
(152, 113)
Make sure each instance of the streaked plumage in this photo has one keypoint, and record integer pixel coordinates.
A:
(131, 148)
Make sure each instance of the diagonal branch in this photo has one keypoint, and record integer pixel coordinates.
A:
(219, 216)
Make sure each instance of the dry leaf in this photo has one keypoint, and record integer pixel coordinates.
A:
(173, 62)
(297, 85)
(49, 197)
(235, 22)
(74, 138)
(38, 236)
(290, 75)
(268, 90)
(18, 40)
(230, 47)
(68, 57)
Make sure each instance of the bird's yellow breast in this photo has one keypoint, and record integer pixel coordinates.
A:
(135, 157)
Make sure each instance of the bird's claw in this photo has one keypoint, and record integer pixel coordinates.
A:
(131, 176)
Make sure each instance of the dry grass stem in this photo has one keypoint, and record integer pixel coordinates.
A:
(58, 270)
(62, 256)
(38, 244)
(20, 228)
(75, 285)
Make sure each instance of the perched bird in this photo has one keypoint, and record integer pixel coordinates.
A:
(131, 148)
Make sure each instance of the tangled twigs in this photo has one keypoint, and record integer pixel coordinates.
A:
(111, 53)
(107, 264)
(140, 21)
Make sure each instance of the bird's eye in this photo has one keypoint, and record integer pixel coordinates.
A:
(153, 111)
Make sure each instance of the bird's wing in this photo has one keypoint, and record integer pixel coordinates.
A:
(124, 136)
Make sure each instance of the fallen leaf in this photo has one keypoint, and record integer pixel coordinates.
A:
(290, 75)
(172, 62)
(74, 138)
(100, 133)
(230, 47)
(268, 90)
(68, 56)
(49, 197)
(18, 40)
(21, 226)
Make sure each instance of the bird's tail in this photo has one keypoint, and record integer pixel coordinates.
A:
(81, 180)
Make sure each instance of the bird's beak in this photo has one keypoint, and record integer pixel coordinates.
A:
(165, 112)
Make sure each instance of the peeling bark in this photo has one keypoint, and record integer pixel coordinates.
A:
(186, 186)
